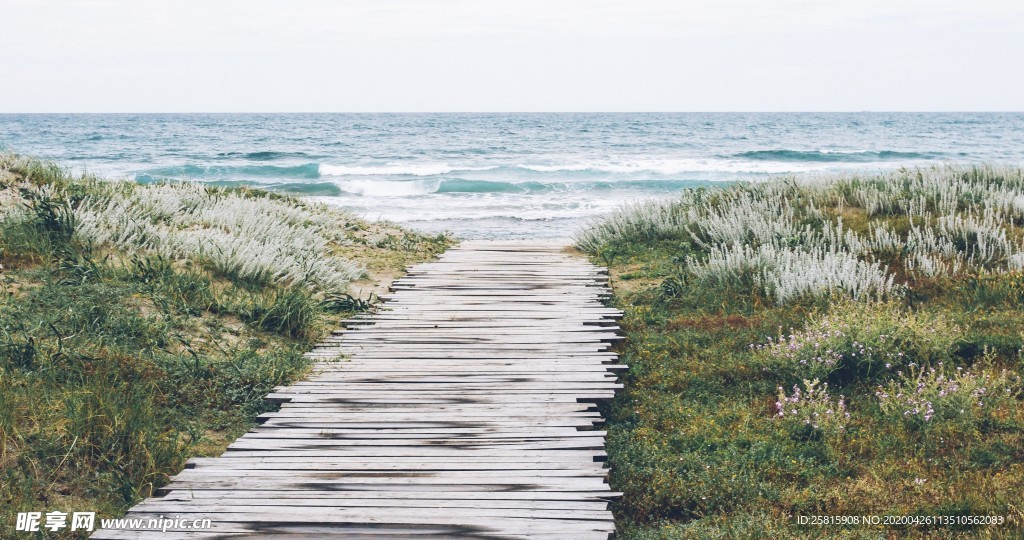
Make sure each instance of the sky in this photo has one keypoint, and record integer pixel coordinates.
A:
(510, 55)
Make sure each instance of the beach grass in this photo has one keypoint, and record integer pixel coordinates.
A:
(823, 346)
(142, 325)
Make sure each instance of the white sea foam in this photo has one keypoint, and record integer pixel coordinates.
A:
(637, 166)
(392, 169)
(384, 188)
(685, 165)
(478, 206)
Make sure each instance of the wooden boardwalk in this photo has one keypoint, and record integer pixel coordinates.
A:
(463, 408)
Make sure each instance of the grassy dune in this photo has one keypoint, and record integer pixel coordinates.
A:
(141, 325)
(821, 346)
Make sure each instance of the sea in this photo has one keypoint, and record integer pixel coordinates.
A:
(503, 175)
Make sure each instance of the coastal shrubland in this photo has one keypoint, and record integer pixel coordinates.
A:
(141, 325)
(827, 345)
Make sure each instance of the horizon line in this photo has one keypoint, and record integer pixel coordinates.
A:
(851, 111)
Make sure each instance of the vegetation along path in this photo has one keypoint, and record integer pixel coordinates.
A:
(463, 407)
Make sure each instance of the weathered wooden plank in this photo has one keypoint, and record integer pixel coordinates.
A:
(481, 462)
(423, 495)
(501, 340)
(564, 406)
(296, 417)
(580, 443)
(284, 531)
(333, 421)
(460, 386)
(581, 477)
(288, 432)
(524, 326)
(474, 395)
(584, 455)
(493, 525)
(515, 483)
(329, 513)
(414, 403)
(188, 501)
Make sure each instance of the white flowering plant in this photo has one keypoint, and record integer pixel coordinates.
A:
(787, 238)
(260, 239)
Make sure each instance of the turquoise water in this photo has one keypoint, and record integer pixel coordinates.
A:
(503, 175)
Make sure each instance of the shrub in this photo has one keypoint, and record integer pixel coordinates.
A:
(857, 340)
(787, 237)
(812, 409)
(921, 396)
(290, 312)
(249, 376)
(254, 241)
(789, 274)
(51, 212)
(39, 226)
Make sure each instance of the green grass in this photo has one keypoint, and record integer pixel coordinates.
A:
(695, 439)
(117, 365)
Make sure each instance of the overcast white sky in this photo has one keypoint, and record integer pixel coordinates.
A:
(511, 55)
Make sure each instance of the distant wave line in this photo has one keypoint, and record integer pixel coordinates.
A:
(424, 187)
(383, 188)
(416, 169)
(835, 156)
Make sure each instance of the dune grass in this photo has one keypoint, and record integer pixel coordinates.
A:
(142, 325)
(820, 346)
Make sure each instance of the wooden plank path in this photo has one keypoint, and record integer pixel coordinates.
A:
(464, 407)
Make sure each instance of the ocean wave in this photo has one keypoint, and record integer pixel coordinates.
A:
(493, 177)
(572, 167)
(302, 189)
(265, 155)
(406, 188)
(399, 179)
(410, 188)
(670, 167)
(411, 169)
(386, 188)
(501, 207)
(307, 171)
(459, 185)
(833, 156)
